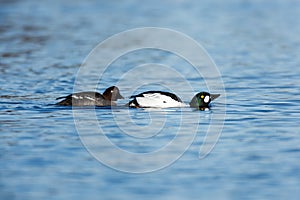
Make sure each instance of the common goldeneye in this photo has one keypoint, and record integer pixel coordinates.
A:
(159, 99)
(110, 95)
(202, 100)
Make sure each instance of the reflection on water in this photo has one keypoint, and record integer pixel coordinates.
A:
(254, 43)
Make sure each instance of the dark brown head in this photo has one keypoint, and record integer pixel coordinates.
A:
(112, 94)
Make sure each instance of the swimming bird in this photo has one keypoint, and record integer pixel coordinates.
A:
(202, 100)
(160, 99)
(110, 95)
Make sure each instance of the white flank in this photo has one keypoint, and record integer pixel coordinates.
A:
(90, 98)
(157, 100)
(77, 97)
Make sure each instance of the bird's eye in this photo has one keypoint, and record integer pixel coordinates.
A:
(202, 96)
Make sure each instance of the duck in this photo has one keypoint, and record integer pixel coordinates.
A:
(202, 100)
(161, 99)
(108, 97)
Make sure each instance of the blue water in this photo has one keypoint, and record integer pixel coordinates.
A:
(255, 45)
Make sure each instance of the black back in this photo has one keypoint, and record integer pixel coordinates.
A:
(173, 96)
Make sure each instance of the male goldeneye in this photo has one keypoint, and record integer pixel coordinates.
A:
(202, 100)
(110, 95)
(159, 99)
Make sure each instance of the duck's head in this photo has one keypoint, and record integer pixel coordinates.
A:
(112, 93)
(202, 100)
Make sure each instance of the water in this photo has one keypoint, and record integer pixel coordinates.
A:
(255, 45)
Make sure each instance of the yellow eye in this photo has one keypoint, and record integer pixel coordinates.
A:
(202, 96)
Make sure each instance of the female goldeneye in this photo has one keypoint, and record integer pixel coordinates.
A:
(159, 99)
(110, 95)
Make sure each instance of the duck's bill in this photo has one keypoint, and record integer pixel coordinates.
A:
(120, 96)
(214, 96)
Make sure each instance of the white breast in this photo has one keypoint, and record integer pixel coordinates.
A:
(157, 100)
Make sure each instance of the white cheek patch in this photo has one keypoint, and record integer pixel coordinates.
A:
(206, 99)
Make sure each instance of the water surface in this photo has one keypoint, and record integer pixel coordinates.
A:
(255, 45)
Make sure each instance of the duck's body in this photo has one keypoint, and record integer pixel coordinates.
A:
(110, 95)
(84, 99)
(159, 99)
(156, 99)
